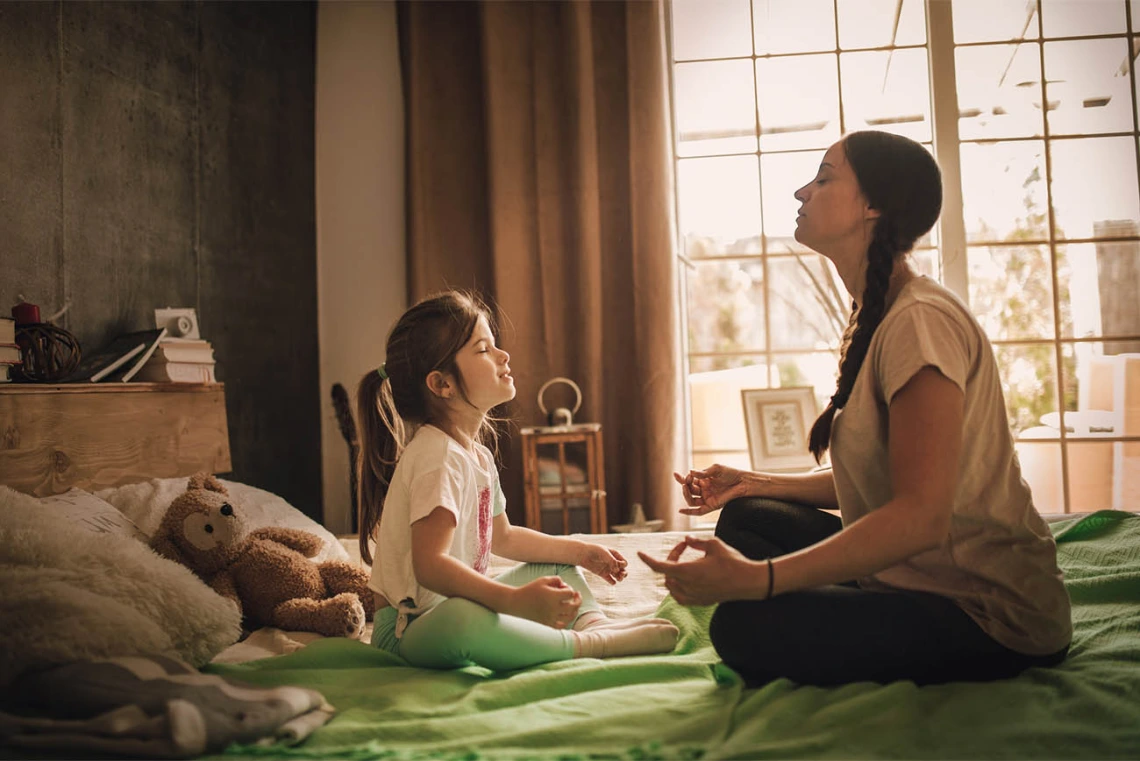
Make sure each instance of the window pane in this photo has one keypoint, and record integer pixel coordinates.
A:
(807, 305)
(887, 90)
(715, 105)
(717, 406)
(1100, 407)
(1094, 186)
(1090, 475)
(1080, 18)
(726, 306)
(707, 364)
(710, 29)
(1099, 285)
(871, 23)
(991, 20)
(926, 261)
(1011, 291)
(1087, 91)
(1041, 469)
(1029, 381)
(719, 200)
(1135, 52)
(999, 91)
(1071, 393)
(1090, 404)
(1089, 414)
(1003, 191)
(820, 370)
(799, 102)
(793, 26)
(781, 174)
(1118, 273)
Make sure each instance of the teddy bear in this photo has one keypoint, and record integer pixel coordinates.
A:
(266, 572)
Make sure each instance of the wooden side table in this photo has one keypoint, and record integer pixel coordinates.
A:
(565, 479)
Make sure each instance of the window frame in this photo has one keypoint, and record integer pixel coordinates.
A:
(952, 242)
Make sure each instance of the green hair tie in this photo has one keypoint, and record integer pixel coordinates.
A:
(382, 371)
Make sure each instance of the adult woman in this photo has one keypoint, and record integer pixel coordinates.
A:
(940, 567)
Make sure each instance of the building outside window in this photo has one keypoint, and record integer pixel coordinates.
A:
(1030, 107)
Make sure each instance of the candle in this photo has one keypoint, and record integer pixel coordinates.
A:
(26, 313)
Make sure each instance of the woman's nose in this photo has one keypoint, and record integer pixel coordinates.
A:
(799, 194)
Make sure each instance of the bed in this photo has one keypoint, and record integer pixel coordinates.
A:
(364, 703)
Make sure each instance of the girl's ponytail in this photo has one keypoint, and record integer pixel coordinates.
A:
(381, 438)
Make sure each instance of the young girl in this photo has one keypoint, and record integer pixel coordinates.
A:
(430, 497)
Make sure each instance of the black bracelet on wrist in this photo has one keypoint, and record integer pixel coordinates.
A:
(771, 580)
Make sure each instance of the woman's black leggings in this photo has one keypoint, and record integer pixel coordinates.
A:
(840, 633)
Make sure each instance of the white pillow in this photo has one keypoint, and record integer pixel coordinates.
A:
(145, 503)
(70, 594)
(89, 512)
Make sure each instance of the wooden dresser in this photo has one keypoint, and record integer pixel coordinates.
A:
(53, 437)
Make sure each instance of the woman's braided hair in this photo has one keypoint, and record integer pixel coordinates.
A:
(900, 179)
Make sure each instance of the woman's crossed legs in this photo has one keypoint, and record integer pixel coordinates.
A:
(841, 633)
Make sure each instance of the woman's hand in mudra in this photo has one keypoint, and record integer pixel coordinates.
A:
(711, 489)
(722, 574)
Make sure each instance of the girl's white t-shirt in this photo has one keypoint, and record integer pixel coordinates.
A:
(435, 471)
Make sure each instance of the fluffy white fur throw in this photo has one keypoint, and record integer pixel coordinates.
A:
(69, 594)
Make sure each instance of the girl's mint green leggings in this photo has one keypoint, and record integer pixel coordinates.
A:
(459, 632)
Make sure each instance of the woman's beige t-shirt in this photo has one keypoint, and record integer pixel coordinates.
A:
(999, 561)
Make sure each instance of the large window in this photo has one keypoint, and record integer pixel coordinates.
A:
(1030, 108)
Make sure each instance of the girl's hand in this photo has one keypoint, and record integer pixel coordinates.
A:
(548, 600)
(722, 574)
(607, 563)
(711, 489)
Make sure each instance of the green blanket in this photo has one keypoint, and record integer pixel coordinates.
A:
(689, 705)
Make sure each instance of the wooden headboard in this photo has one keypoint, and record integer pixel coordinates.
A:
(94, 436)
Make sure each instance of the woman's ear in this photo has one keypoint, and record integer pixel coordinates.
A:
(869, 213)
(439, 384)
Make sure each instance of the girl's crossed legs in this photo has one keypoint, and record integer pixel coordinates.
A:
(459, 632)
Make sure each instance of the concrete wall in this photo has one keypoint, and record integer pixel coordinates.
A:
(360, 212)
(162, 154)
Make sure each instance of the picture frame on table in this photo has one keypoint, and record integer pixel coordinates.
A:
(778, 422)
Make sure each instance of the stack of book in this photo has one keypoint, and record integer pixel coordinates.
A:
(9, 351)
(180, 360)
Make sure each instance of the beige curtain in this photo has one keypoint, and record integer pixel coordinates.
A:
(539, 174)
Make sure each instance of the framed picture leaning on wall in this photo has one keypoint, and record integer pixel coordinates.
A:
(778, 422)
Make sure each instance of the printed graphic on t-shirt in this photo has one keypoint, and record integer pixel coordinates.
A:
(483, 538)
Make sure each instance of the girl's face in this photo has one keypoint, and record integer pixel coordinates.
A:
(832, 207)
(484, 369)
